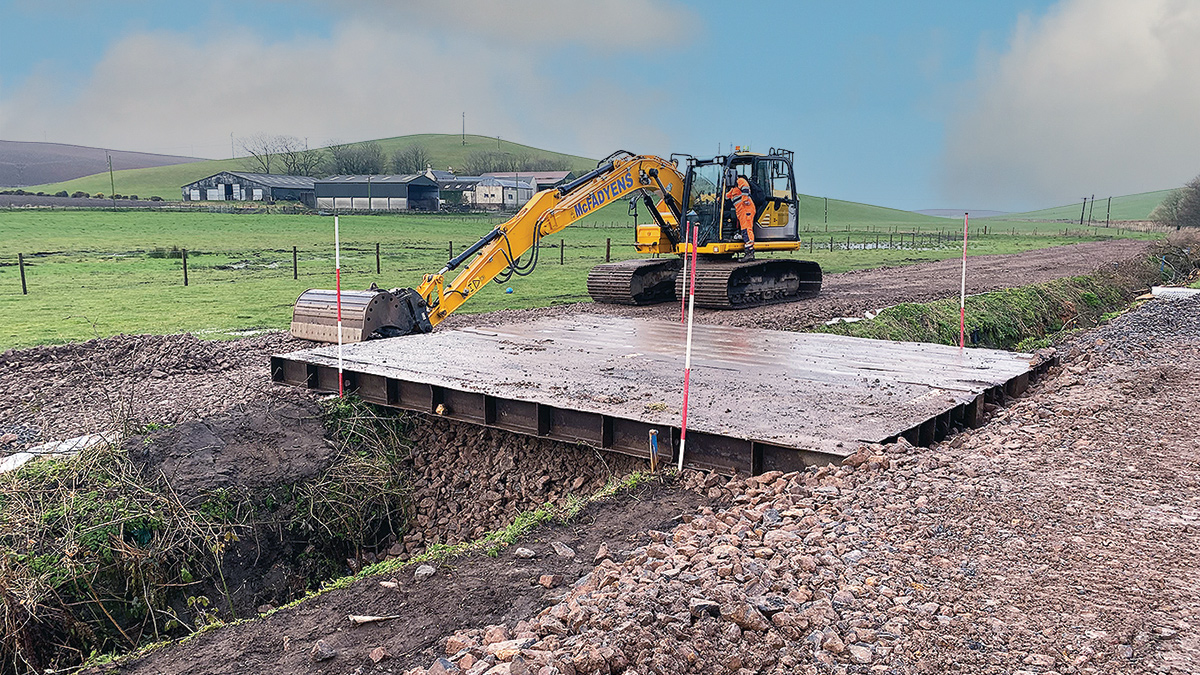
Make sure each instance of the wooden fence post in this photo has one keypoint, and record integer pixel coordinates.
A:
(562, 251)
(376, 257)
(451, 250)
(21, 264)
(295, 267)
(185, 279)
(608, 249)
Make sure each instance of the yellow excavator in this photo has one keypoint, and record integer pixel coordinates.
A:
(692, 194)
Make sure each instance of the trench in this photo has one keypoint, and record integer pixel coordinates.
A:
(270, 503)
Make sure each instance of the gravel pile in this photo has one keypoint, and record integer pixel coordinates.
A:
(468, 480)
(1059, 538)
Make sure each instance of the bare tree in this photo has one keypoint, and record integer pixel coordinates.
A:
(356, 158)
(1181, 207)
(296, 158)
(1188, 213)
(412, 159)
(260, 150)
(487, 161)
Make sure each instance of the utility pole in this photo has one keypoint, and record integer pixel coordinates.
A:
(1108, 212)
(232, 152)
(464, 138)
(1090, 210)
(1082, 211)
(112, 183)
(826, 212)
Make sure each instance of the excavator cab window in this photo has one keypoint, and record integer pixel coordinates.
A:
(704, 181)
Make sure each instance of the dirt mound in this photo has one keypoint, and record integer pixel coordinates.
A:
(128, 381)
(251, 447)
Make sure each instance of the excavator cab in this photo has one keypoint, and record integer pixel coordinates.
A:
(772, 188)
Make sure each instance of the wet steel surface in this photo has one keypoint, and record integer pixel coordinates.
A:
(760, 399)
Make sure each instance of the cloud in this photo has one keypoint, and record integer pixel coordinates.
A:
(1096, 97)
(608, 25)
(375, 75)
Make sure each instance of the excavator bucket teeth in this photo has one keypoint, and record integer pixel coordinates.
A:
(634, 282)
(365, 315)
(737, 285)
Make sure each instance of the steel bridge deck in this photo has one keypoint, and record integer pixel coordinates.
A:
(760, 399)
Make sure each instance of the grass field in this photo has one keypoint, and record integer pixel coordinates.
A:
(165, 181)
(1126, 207)
(94, 273)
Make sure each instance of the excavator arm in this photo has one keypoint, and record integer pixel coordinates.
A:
(497, 255)
(548, 213)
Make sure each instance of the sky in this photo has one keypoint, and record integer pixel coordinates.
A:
(1005, 104)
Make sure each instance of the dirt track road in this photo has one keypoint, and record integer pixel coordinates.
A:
(853, 293)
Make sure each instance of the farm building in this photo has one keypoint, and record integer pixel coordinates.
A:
(250, 187)
(415, 192)
(501, 193)
(542, 180)
(458, 190)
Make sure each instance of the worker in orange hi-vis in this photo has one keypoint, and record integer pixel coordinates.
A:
(743, 205)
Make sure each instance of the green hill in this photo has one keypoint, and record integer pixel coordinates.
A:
(812, 213)
(1126, 207)
(165, 181)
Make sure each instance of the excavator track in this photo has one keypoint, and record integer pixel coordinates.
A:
(634, 282)
(734, 285)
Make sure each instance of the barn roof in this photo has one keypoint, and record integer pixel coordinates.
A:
(492, 181)
(540, 177)
(274, 180)
(459, 182)
(408, 178)
(270, 180)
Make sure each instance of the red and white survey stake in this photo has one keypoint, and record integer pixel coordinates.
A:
(337, 273)
(683, 301)
(962, 291)
(687, 359)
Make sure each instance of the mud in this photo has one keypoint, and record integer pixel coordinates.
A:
(126, 382)
(252, 447)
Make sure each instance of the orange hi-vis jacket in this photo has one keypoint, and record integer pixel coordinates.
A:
(739, 194)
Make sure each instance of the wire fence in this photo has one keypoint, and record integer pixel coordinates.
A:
(421, 256)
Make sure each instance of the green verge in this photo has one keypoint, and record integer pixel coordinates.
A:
(1035, 316)
(1021, 318)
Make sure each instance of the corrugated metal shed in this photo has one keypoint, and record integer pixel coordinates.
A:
(378, 193)
(246, 186)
